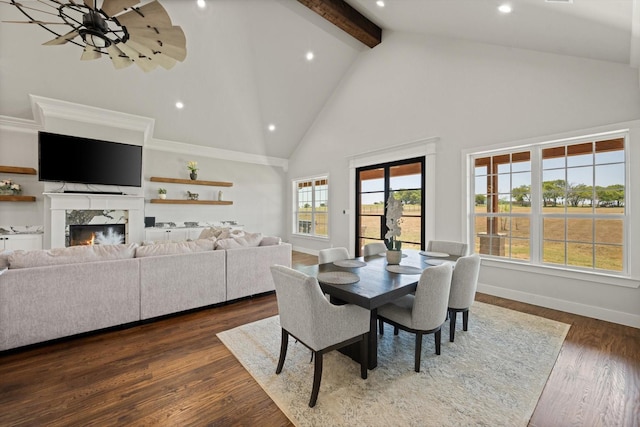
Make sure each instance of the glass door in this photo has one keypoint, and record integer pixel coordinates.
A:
(404, 180)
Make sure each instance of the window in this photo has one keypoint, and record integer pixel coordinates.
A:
(311, 203)
(559, 204)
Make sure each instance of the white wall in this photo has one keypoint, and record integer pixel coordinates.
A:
(257, 192)
(469, 95)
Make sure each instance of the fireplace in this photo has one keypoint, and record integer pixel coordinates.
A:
(101, 234)
(67, 209)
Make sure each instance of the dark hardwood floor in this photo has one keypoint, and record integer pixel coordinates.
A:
(175, 372)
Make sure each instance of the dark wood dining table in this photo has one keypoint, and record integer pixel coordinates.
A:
(376, 286)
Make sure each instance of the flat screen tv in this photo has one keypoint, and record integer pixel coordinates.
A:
(65, 158)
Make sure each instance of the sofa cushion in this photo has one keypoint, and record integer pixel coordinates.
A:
(215, 232)
(247, 240)
(4, 258)
(199, 245)
(270, 241)
(70, 255)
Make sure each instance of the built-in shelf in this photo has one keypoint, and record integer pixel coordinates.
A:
(18, 169)
(191, 202)
(17, 198)
(191, 181)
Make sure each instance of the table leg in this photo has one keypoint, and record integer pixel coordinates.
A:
(373, 339)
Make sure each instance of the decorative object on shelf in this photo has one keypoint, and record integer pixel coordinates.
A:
(9, 188)
(162, 193)
(220, 195)
(115, 28)
(192, 196)
(394, 218)
(193, 168)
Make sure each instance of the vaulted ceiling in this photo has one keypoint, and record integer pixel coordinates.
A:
(246, 65)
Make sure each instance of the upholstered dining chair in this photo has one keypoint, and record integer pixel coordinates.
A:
(463, 290)
(307, 316)
(374, 248)
(423, 312)
(332, 254)
(448, 247)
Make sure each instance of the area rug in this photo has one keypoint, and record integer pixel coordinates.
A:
(492, 375)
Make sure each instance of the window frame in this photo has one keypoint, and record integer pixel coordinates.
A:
(535, 263)
(295, 211)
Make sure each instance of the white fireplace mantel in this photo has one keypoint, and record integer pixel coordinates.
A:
(57, 204)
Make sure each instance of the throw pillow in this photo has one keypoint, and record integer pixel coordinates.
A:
(270, 241)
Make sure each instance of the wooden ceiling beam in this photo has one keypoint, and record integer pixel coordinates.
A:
(344, 16)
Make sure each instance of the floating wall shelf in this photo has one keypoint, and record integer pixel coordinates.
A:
(17, 169)
(17, 198)
(191, 202)
(191, 181)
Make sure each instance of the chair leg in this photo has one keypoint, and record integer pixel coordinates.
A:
(452, 324)
(438, 337)
(395, 330)
(465, 320)
(317, 377)
(381, 326)
(364, 356)
(283, 350)
(418, 351)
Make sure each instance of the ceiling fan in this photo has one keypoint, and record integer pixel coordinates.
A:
(122, 29)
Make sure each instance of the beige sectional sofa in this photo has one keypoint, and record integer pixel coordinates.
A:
(49, 294)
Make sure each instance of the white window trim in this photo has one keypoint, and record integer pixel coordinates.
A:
(421, 148)
(631, 279)
(294, 206)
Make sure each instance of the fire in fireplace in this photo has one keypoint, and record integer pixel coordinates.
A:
(101, 234)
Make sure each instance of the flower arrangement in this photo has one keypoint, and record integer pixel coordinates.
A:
(8, 186)
(192, 166)
(394, 218)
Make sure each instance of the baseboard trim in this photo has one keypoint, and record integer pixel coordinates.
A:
(613, 316)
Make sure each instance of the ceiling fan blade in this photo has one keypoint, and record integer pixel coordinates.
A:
(113, 7)
(36, 22)
(152, 14)
(144, 62)
(90, 53)
(89, 3)
(62, 39)
(118, 58)
(167, 40)
(164, 61)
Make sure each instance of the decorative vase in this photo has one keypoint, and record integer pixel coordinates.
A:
(6, 192)
(394, 256)
(193, 175)
(220, 195)
(162, 196)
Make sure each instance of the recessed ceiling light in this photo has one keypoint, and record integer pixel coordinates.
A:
(309, 56)
(201, 4)
(272, 127)
(380, 3)
(179, 105)
(505, 8)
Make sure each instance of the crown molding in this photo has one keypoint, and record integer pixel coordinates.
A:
(48, 108)
(19, 125)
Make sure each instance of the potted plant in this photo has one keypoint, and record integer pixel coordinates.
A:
(162, 193)
(394, 217)
(193, 169)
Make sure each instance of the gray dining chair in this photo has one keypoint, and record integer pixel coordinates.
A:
(464, 283)
(448, 247)
(374, 248)
(422, 313)
(332, 254)
(307, 316)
